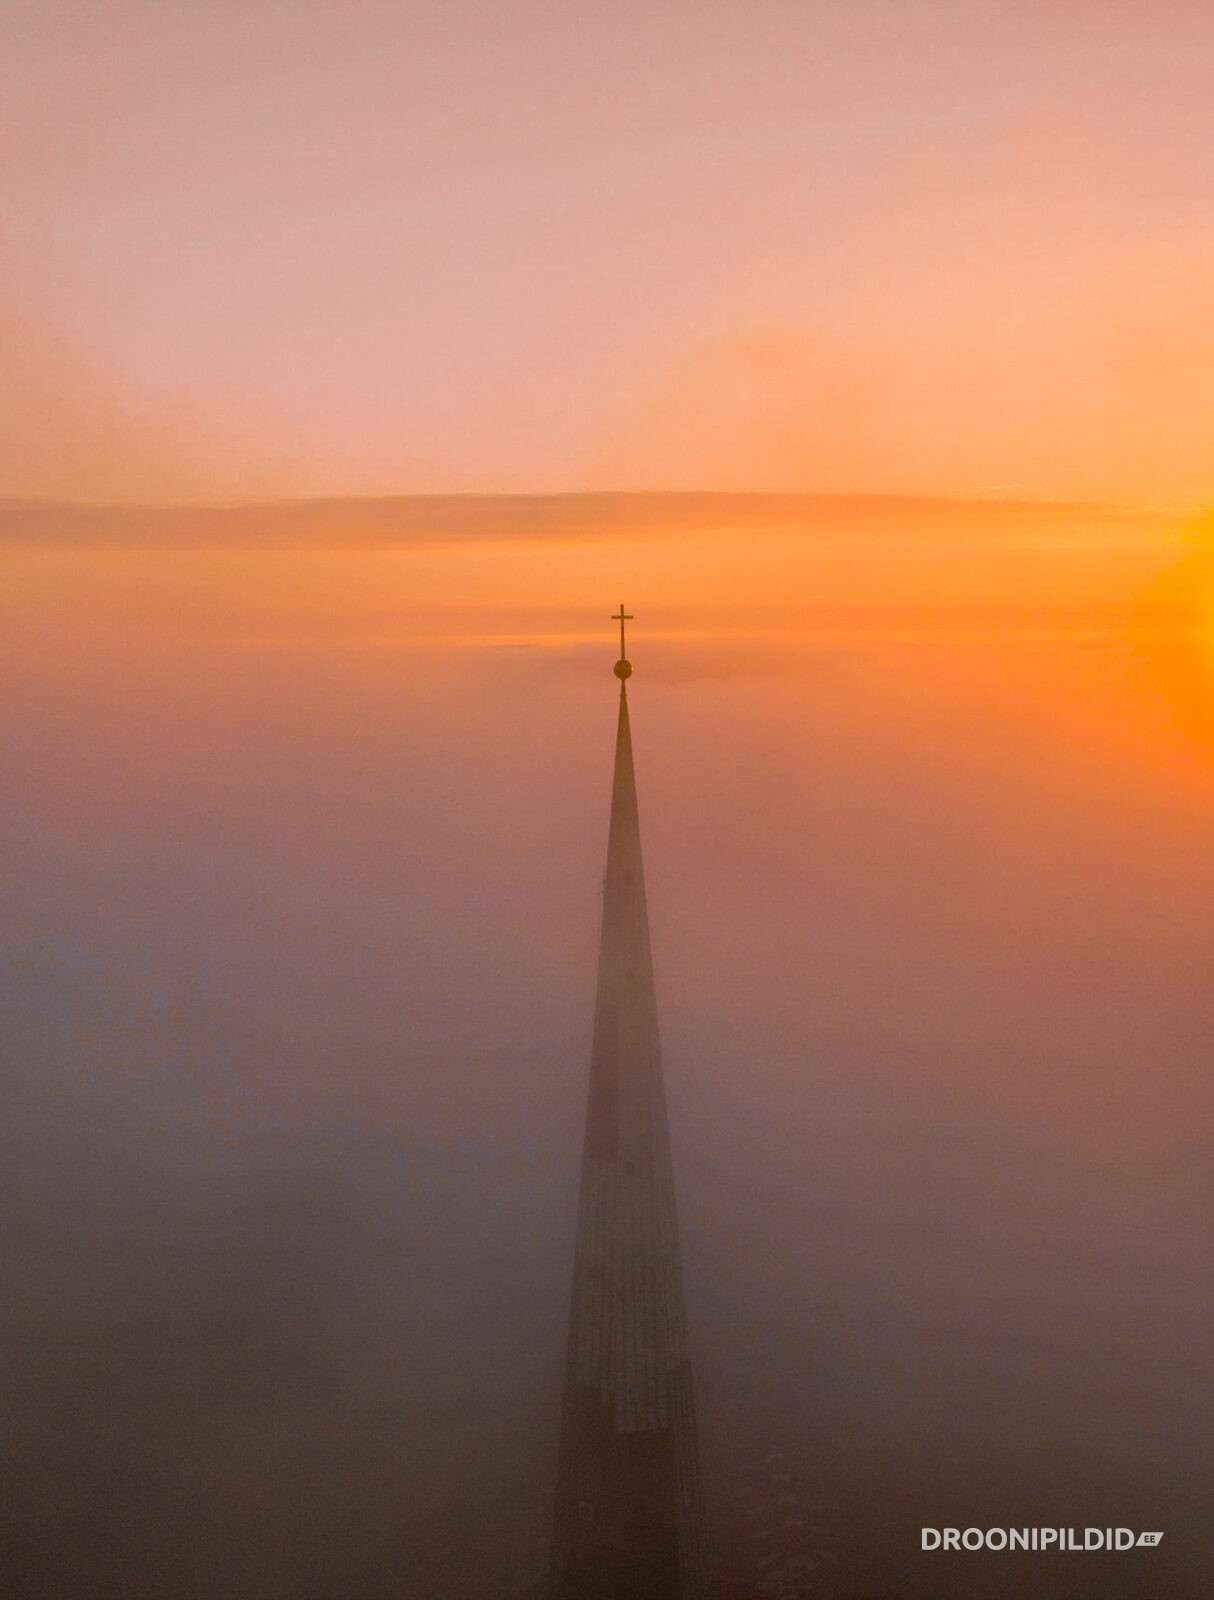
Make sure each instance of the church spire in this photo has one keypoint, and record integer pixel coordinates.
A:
(629, 1512)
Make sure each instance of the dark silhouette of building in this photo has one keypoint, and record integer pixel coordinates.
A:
(629, 1519)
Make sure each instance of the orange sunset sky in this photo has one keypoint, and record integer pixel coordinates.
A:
(953, 247)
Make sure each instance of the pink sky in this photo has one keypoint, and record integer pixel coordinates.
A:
(254, 250)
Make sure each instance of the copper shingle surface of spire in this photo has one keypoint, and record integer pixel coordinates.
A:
(629, 1508)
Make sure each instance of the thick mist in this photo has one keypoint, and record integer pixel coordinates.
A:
(297, 974)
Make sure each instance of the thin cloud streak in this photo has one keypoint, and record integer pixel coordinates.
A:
(427, 519)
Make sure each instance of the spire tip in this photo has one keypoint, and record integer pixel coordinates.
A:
(623, 667)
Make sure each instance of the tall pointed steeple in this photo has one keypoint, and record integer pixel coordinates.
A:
(629, 1505)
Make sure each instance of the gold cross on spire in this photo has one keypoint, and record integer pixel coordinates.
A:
(623, 668)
